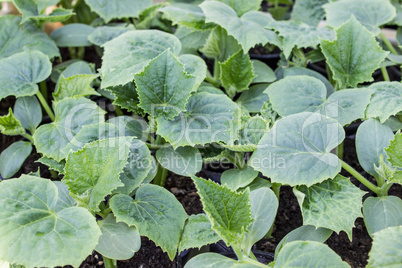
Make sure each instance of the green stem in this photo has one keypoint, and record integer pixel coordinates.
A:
(362, 179)
(212, 81)
(28, 137)
(80, 52)
(385, 74)
(276, 187)
(118, 110)
(109, 263)
(45, 105)
(217, 70)
(161, 175)
(237, 160)
(73, 52)
(339, 151)
(43, 89)
(388, 44)
(239, 254)
(252, 256)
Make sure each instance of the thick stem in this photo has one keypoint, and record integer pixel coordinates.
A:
(109, 263)
(118, 110)
(43, 89)
(161, 175)
(388, 44)
(237, 160)
(80, 52)
(339, 151)
(385, 74)
(217, 70)
(28, 137)
(73, 52)
(362, 179)
(45, 105)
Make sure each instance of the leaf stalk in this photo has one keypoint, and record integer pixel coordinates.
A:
(362, 179)
(45, 106)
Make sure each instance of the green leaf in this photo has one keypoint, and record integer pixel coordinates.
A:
(126, 97)
(238, 178)
(308, 254)
(371, 140)
(220, 45)
(309, 95)
(30, 10)
(118, 9)
(346, 56)
(248, 30)
(228, 211)
(300, 35)
(185, 14)
(374, 14)
(70, 68)
(71, 115)
(118, 240)
(12, 158)
(386, 100)
(155, 212)
(385, 251)
(29, 112)
(191, 40)
(72, 35)
(304, 71)
(211, 260)
(16, 37)
(300, 155)
(140, 164)
(263, 73)
(334, 204)
(195, 66)
(236, 73)
(304, 233)
(164, 87)
(308, 11)
(129, 53)
(10, 125)
(129, 126)
(254, 98)
(208, 118)
(56, 233)
(75, 86)
(21, 72)
(242, 7)
(184, 161)
(104, 34)
(382, 212)
(96, 168)
(197, 233)
(264, 206)
(53, 164)
(394, 150)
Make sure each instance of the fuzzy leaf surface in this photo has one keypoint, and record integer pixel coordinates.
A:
(75, 86)
(394, 151)
(296, 150)
(164, 87)
(56, 232)
(211, 260)
(385, 250)
(104, 34)
(310, 12)
(21, 72)
(263, 73)
(31, 10)
(129, 53)
(254, 98)
(155, 212)
(182, 161)
(354, 55)
(126, 97)
(238, 178)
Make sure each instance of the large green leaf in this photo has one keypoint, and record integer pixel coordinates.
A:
(238, 178)
(191, 40)
(263, 73)
(129, 126)
(346, 56)
(248, 30)
(185, 14)
(55, 231)
(33, 10)
(370, 13)
(129, 53)
(12, 158)
(104, 34)
(164, 87)
(195, 66)
(264, 205)
(334, 204)
(95, 169)
(184, 161)
(309, 95)
(118, 240)
(236, 73)
(29, 112)
(241, 7)
(296, 151)
(386, 100)
(10, 125)
(127, 97)
(382, 212)
(21, 72)
(71, 114)
(53, 164)
(75, 86)
(16, 37)
(72, 35)
(300, 35)
(305, 233)
(155, 212)
(208, 118)
(254, 98)
(213, 260)
(371, 140)
(228, 211)
(118, 9)
(308, 11)
(385, 251)
(308, 254)
(197, 233)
